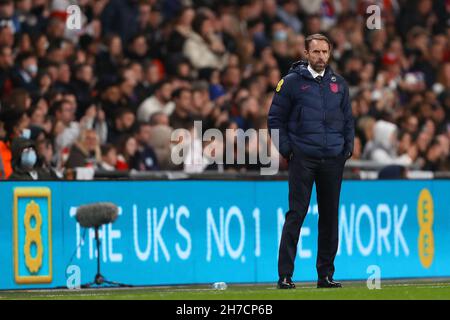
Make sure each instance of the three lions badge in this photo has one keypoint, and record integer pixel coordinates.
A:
(334, 87)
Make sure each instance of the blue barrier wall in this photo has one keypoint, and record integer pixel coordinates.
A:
(182, 232)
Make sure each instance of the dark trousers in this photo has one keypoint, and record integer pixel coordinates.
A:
(327, 174)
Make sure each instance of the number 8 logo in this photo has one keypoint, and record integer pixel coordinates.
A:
(33, 235)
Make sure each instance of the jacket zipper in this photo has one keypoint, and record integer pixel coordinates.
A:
(299, 117)
(323, 114)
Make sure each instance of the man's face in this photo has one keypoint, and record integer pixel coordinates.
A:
(140, 46)
(144, 13)
(6, 36)
(67, 113)
(161, 119)
(128, 120)
(232, 77)
(64, 73)
(184, 102)
(412, 124)
(7, 9)
(165, 93)
(24, 5)
(198, 100)
(144, 135)
(318, 54)
(111, 157)
(86, 74)
(6, 58)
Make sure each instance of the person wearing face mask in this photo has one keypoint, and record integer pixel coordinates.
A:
(24, 75)
(25, 162)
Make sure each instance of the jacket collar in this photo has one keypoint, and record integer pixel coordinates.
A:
(314, 73)
(301, 68)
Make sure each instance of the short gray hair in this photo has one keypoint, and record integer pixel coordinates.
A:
(316, 36)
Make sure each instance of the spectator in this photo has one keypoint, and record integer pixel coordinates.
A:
(280, 47)
(385, 145)
(46, 156)
(25, 162)
(81, 87)
(19, 98)
(109, 157)
(6, 64)
(124, 122)
(288, 13)
(203, 47)
(182, 116)
(393, 171)
(110, 58)
(15, 124)
(66, 129)
(159, 118)
(24, 76)
(6, 35)
(146, 157)
(62, 81)
(159, 101)
(248, 113)
(160, 141)
(130, 56)
(119, 17)
(127, 154)
(85, 152)
(433, 156)
(7, 16)
(151, 77)
(138, 49)
(181, 30)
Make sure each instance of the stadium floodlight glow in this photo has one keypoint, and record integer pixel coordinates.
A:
(94, 216)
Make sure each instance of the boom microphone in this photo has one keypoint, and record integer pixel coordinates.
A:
(96, 214)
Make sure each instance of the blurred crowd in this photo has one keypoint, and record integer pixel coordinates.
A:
(109, 95)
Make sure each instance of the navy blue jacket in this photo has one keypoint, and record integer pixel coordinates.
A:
(314, 117)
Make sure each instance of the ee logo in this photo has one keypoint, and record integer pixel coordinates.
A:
(425, 217)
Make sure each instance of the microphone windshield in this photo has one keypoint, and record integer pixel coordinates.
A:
(96, 214)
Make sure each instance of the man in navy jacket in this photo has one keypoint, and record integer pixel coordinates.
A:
(312, 112)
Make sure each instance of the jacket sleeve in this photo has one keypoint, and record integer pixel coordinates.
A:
(349, 124)
(279, 114)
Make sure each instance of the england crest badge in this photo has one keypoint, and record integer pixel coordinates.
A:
(334, 87)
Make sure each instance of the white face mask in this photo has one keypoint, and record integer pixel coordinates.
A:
(32, 69)
(28, 158)
(26, 133)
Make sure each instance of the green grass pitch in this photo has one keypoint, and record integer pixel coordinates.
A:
(398, 289)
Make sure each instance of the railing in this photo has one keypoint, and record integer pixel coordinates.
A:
(354, 170)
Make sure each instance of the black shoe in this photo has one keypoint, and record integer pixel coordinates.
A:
(285, 283)
(328, 282)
